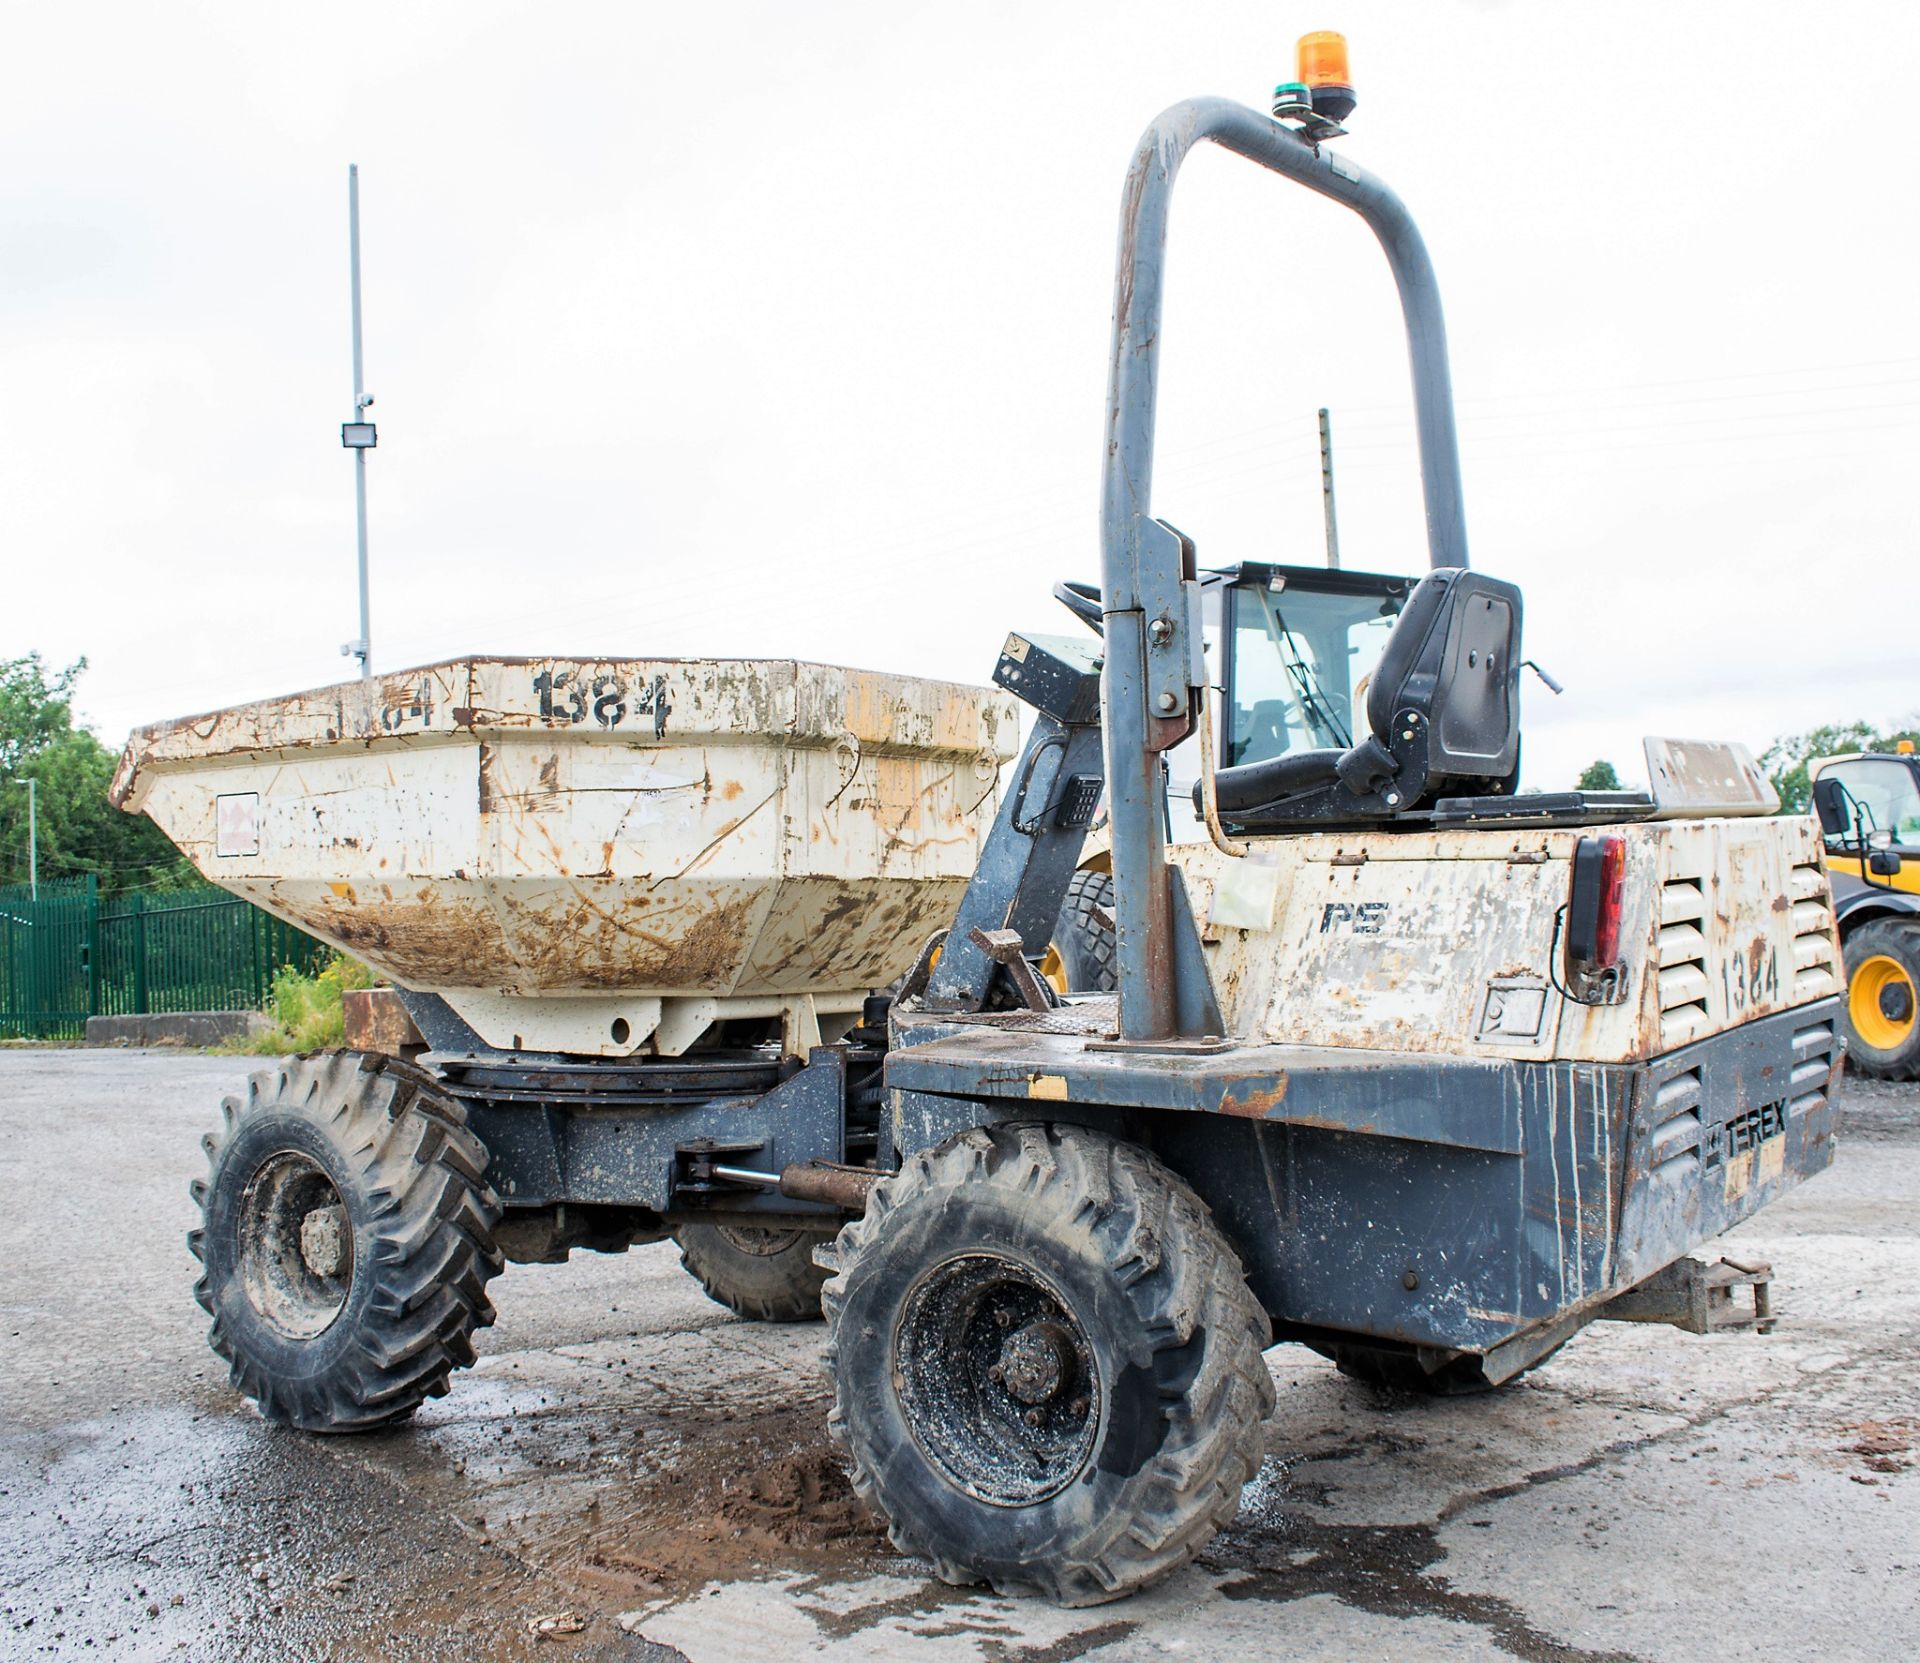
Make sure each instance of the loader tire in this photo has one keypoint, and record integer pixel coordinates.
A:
(346, 1241)
(1046, 1363)
(1883, 999)
(1080, 958)
(764, 1274)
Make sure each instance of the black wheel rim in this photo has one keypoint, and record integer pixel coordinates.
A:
(756, 1240)
(996, 1378)
(296, 1246)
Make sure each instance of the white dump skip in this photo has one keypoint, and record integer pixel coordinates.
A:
(602, 856)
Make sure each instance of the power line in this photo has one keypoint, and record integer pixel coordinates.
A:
(1641, 423)
(1260, 439)
(1590, 388)
(1378, 454)
(1006, 526)
(1473, 411)
(975, 530)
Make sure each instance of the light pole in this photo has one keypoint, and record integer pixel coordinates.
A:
(358, 435)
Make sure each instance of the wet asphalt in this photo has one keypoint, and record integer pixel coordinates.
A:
(632, 1473)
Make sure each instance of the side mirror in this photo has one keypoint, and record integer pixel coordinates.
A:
(1883, 863)
(1832, 804)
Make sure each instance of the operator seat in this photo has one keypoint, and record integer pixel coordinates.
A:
(1265, 729)
(1443, 707)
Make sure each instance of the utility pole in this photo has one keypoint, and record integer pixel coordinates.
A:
(33, 839)
(359, 435)
(1326, 490)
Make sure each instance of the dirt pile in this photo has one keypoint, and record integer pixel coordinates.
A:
(1884, 1446)
(763, 1494)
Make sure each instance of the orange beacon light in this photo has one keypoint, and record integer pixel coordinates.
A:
(1323, 70)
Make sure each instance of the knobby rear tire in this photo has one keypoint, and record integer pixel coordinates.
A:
(765, 1274)
(346, 1241)
(1084, 939)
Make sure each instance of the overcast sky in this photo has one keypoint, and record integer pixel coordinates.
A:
(768, 331)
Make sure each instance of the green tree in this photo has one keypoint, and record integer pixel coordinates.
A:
(79, 830)
(1787, 757)
(1598, 776)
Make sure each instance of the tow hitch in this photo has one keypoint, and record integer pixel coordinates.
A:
(1700, 1298)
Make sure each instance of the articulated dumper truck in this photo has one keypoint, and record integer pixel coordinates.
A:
(1400, 1064)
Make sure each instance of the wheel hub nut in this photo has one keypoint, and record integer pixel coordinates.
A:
(1035, 1362)
(323, 1240)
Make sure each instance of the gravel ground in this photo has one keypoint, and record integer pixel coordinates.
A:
(630, 1459)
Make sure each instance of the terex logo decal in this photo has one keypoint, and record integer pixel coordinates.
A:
(1362, 918)
(1745, 1132)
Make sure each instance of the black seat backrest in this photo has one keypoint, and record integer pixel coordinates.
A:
(1399, 670)
(1454, 661)
(1478, 725)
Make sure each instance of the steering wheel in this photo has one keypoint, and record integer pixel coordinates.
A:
(1083, 601)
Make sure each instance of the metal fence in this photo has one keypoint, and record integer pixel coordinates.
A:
(69, 954)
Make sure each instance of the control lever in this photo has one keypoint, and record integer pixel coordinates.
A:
(1004, 947)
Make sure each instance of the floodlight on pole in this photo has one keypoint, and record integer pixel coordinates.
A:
(359, 435)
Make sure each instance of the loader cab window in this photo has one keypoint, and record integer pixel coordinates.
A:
(1885, 788)
(1301, 659)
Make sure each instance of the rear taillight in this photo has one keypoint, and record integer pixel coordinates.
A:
(1593, 909)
